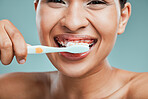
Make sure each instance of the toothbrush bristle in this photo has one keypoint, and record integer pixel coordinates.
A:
(73, 44)
(78, 47)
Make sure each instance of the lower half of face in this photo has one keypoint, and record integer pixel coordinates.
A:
(96, 28)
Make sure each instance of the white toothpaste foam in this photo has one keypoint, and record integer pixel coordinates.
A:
(74, 43)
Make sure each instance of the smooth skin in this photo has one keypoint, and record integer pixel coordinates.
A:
(89, 78)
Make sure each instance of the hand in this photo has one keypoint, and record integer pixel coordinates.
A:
(11, 43)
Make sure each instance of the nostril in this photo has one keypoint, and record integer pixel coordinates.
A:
(72, 27)
(67, 30)
(72, 24)
(83, 27)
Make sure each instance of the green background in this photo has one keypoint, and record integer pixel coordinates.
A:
(129, 53)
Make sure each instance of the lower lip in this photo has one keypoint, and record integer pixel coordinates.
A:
(74, 57)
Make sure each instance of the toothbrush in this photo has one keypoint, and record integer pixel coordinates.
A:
(72, 48)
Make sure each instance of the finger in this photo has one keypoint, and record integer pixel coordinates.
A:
(6, 51)
(18, 42)
(28, 45)
(0, 54)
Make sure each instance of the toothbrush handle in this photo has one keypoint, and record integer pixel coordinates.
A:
(43, 49)
(32, 49)
(53, 49)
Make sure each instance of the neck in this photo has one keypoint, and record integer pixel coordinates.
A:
(99, 81)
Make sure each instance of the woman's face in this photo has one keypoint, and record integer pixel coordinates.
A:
(94, 22)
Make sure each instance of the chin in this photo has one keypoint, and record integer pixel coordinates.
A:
(77, 68)
(74, 72)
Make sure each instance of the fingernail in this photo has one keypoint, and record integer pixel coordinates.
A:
(22, 61)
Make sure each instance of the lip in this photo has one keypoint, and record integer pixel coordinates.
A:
(71, 37)
(74, 37)
(75, 57)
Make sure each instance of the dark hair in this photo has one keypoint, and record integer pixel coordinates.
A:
(122, 3)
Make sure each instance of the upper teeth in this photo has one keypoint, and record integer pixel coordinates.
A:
(71, 44)
(75, 42)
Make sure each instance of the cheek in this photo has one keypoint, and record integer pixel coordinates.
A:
(46, 19)
(106, 24)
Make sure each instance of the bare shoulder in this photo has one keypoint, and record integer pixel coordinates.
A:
(135, 86)
(139, 86)
(23, 85)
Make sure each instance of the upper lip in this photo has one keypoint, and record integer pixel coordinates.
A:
(74, 37)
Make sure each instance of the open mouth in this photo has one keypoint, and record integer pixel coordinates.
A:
(63, 40)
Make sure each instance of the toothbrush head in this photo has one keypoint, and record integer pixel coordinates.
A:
(77, 48)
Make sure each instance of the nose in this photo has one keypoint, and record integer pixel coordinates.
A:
(74, 18)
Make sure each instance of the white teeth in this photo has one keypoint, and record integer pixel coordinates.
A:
(82, 41)
(75, 42)
(87, 41)
(71, 44)
(91, 43)
(66, 42)
(62, 43)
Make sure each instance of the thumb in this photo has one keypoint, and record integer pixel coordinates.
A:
(28, 44)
